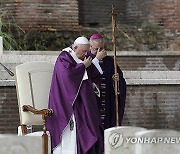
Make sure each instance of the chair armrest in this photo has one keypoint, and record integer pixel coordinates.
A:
(45, 112)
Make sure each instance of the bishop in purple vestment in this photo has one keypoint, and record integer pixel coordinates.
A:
(71, 94)
(107, 99)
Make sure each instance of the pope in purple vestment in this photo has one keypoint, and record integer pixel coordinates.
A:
(71, 94)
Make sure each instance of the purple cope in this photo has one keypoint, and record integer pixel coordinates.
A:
(69, 94)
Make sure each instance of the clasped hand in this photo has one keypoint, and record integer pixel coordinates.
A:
(116, 77)
(87, 61)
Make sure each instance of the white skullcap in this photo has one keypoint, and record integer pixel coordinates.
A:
(81, 40)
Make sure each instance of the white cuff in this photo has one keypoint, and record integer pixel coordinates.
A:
(95, 61)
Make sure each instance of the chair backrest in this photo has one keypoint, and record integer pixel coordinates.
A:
(158, 141)
(33, 81)
(116, 139)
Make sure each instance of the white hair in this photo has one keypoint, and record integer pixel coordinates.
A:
(101, 40)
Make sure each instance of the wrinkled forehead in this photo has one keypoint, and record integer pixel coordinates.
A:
(83, 46)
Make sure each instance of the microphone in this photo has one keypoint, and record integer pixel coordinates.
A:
(9, 71)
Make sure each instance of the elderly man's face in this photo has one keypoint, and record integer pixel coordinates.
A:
(81, 50)
(95, 46)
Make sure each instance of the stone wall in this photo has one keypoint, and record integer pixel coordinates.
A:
(153, 97)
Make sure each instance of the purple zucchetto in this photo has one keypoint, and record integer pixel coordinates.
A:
(96, 36)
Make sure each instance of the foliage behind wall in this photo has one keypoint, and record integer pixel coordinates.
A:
(150, 37)
(145, 37)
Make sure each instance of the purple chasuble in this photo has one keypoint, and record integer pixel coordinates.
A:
(69, 94)
(108, 96)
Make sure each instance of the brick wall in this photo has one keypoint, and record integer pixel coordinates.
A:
(42, 15)
(146, 106)
(66, 15)
(163, 12)
(152, 107)
(167, 13)
(151, 63)
(9, 117)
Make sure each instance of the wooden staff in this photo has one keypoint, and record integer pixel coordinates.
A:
(114, 15)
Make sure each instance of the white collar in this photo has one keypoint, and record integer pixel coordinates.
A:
(73, 54)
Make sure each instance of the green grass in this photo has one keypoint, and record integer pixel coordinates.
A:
(9, 42)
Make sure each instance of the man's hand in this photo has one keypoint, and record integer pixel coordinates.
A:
(87, 61)
(115, 77)
(101, 54)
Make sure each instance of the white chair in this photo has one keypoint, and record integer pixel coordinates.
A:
(158, 141)
(33, 81)
(116, 139)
